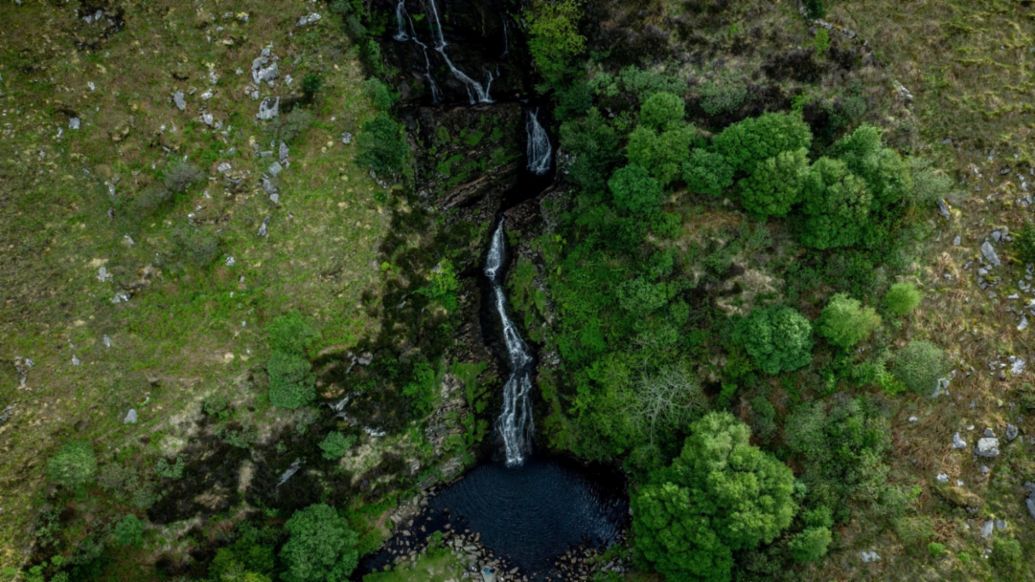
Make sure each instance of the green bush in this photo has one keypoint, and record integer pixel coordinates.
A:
(662, 110)
(291, 333)
(311, 85)
(1024, 243)
(755, 139)
(321, 546)
(150, 200)
(810, 544)
(815, 8)
(595, 149)
(292, 125)
(775, 184)
(778, 339)
(936, 550)
(169, 470)
(382, 145)
(707, 172)
(635, 191)
(292, 384)
(919, 365)
(1007, 558)
(381, 95)
(250, 558)
(723, 96)
(664, 153)
(129, 531)
(73, 466)
(335, 445)
(195, 247)
(553, 38)
(181, 176)
(845, 322)
(423, 389)
(721, 494)
(836, 206)
(901, 299)
(442, 286)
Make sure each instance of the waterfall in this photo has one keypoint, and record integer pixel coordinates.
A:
(539, 149)
(475, 91)
(400, 22)
(514, 423)
(432, 86)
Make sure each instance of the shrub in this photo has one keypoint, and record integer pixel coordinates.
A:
(167, 470)
(887, 176)
(723, 96)
(1007, 558)
(181, 176)
(836, 206)
(778, 339)
(250, 558)
(936, 550)
(195, 247)
(382, 145)
(292, 384)
(381, 95)
(662, 110)
(74, 465)
(291, 333)
(810, 544)
(553, 38)
(775, 184)
(442, 286)
(815, 8)
(755, 139)
(707, 172)
(635, 191)
(150, 199)
(423, 389)
(129, 531)
(901, 299)
(1024, 243)
(919, 365)
(595, 149)
(662, 154)
(335, 445)
(311, 85)
(293, 124)
(845, 322)
(321, 546)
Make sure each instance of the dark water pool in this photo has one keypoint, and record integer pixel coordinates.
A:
(528, 515)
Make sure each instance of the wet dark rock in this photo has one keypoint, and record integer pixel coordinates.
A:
(1012, 432)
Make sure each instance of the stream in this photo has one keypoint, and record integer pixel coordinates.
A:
(526, 510)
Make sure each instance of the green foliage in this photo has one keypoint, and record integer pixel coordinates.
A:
(382, 145)
(662, 110)
(722, 96)
(335, 445)
(293, 124)
(707, 172)
(129, 531)
(775, 184)
(721, 494)
(553, 38)
(292, 384)
(845, 322)
(635, 191)
(169, 470)
(815, 8)
(291, 333)
(311, 85)
(1024, 243)
(1007, 558)
(73, 466)
(919, 365)
(249, 558)
(756, 139)
(423, 389)
(836, 206)
(886, 174)
(181, 176)
(810, 544)
(936, 550)
(195, 247)
(380, 94)
(901, 299)
(442, 286)
(778, 339)
(595, 147)
(321, 546)
(663, 153)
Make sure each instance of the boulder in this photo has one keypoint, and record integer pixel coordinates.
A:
(987, 447)
(988, 252)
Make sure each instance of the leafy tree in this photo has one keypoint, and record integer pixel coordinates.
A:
(553, 37)
(292, 384)
(662, 153)
(901, 299)
(250, 558)
(707, 172)
(775, 184)
(321, 546)
(635, 191)
(129, 531)
(810, 544)
(887, 175)
(845, 322)
(778, 339)
(595, 149)
(755, 139)
(721, 494)
(382, 145)
(442, 286)
(662, 110)
(722, 96)
(335, 445)
(836, 206)
(919, 365)
(668, 400)
(74, 465)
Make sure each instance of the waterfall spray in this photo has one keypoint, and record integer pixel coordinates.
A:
(539, 150)
(476, 93)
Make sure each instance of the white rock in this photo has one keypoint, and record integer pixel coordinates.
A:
(958, 442)
(230, 261)
(179, 100)
(103, 275)
(868, 556)
(269, 108)
(942, 478)
(308, 19)
(131, 417)
(74, 123)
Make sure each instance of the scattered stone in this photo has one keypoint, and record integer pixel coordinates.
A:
(1016, 365)
(75, 360)
(869, 556)
(120, 297)
(207, 119)
(346, 138)
(106, 341)
(1012, 432)
(365, 359)
(283, 153)
(958, 442)
(987, 528)
(308, 19)
(224, 168)
(942, 478)
(957, 241)
(989, 433)
(290, 472)
(179, 100)
(1023, 325)
(984, 469)
(131, 417)
(264, 67)
(913, 419)
(943, 208)
(22, 367)
(74, 123)
(1030, 504)
(103, 275)
(264, 227)
(271, 189)
(275, 169)
(6, 414)
(230, 261)
(988, 252)
(268, 109)
(1000, 524)
(987, 447)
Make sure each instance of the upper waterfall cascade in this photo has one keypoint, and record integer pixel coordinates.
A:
(539, 151)
(514, 423)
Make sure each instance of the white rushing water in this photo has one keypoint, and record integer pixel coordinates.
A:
(515, 420)
(476, 92)
(539, 150)
(400, 22)
(403, 21)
